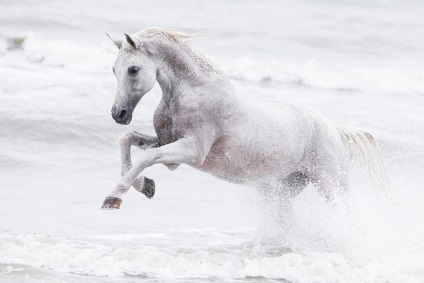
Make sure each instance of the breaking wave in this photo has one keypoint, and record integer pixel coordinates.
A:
(311, 74)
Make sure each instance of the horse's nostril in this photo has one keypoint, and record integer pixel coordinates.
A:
(122, 114)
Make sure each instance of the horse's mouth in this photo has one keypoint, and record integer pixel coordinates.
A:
(125, 121)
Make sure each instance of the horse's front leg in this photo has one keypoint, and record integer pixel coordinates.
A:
(184, 150)
(141, 184)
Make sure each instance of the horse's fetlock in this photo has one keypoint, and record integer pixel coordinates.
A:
(122, 187)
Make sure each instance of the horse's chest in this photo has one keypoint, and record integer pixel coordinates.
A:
(175, 120)
(163, 124)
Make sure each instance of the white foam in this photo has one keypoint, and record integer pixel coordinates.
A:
(369, 254)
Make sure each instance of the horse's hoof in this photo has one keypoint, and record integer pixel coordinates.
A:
(112, 203)
(148, 188)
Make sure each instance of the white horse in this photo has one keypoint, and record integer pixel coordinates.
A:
(202, 122)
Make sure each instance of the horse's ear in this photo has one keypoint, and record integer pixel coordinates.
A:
(130, 41)
(118, 43)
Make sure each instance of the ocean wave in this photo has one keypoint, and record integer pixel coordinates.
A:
(63, 53)
(312, 74)
(8, 162)
(126, 256)
(57, 131)
(336, 78)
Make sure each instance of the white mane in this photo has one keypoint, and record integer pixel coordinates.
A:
(182, 39)
(173, 35)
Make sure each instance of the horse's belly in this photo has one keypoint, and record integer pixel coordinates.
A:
(246, 162)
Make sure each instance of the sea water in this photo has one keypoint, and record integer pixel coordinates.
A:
(360, 63)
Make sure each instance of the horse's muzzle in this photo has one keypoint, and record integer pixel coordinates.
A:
(121, 116)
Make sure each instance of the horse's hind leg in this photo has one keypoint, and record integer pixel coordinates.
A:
(294, 184)
(285, 190)
(279, 197)
(290, 187)
(332, 184)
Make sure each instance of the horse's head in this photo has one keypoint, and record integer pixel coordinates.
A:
(135, 72)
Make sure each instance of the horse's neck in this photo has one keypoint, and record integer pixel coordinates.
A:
(166, 84)
(178, 69)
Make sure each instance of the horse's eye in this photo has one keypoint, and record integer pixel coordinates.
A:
(113, 69)
(133, 70)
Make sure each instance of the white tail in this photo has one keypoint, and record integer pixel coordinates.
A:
(370, 153)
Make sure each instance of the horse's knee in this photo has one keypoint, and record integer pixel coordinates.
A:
(126, 139)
